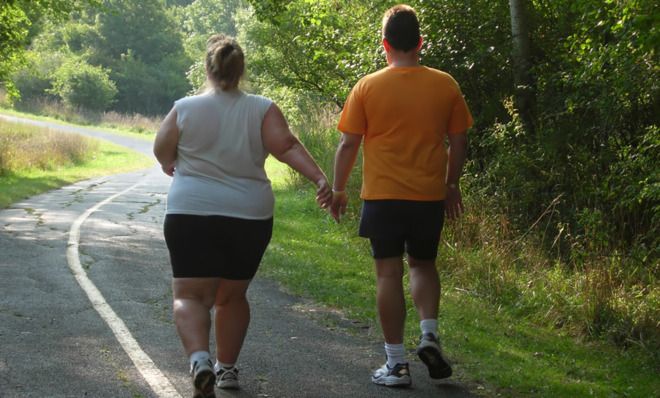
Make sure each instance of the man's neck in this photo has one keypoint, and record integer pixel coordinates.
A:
(399, 59)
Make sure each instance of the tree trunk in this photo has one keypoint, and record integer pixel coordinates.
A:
(522, 61)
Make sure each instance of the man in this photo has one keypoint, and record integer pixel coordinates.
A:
(404, 113)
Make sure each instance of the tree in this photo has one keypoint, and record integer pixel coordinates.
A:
(17, 17)
(522, 60)
(81, 85)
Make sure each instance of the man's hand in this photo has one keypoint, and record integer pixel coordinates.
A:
(339, 203)
(453, 202)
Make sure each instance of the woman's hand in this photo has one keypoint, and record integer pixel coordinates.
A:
(169, 169)
(323, 193)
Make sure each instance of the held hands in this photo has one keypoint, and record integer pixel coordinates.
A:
(453, 202)
(323, 193)
(339, 203)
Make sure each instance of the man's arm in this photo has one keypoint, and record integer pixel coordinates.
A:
(347, 151)
(457, 153)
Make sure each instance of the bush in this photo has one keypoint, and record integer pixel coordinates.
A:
(81, 85)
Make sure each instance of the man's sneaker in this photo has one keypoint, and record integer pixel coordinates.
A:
(430, 353)
(398, 376)
(227, 378)
(203, 379)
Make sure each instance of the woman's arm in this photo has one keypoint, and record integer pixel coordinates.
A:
(166, 142)
(286, 148)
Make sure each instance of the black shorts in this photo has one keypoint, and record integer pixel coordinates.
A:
(397, 226)
(216, 246)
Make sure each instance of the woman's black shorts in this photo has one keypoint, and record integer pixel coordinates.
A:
(216, 246)
(397, 226)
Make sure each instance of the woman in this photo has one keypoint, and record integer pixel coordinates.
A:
(220, 207)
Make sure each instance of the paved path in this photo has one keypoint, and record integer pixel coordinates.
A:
(57, 342)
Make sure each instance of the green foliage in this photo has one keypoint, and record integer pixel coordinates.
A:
(81, 85)
(17, 21)
(136, 42)
(199, 20)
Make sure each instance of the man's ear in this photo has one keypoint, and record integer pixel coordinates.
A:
(419, 45)
(387, 45)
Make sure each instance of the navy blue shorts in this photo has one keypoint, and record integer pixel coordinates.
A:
(395, 227)
(216, 246)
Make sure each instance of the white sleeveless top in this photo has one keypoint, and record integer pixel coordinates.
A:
(220, 157)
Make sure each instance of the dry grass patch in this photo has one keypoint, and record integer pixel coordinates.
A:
(24, 147)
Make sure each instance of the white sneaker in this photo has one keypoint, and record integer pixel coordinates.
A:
(227, 378)
(430, 353)
(203, 379)
(398, 376)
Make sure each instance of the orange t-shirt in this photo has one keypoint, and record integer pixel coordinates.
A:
(405, 114)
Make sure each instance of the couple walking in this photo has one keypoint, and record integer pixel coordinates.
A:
(219, 214)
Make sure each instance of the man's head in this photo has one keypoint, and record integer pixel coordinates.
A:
(401, 28)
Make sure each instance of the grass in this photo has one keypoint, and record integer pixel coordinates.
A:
(33, 160)
(498, 349)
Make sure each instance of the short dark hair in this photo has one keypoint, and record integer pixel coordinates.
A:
(401, 27)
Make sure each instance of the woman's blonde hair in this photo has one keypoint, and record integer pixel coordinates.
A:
(225, 62)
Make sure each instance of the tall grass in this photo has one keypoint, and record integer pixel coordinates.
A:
(482, 254)
(24, 147)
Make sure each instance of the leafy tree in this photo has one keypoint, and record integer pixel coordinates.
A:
(81, 85)
(17, 20)
(199, 20)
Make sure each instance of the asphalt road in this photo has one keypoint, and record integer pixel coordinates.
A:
(85, 307)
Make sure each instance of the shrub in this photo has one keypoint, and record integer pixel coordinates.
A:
(81, 85)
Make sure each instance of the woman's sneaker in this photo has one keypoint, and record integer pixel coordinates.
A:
(430, 353)
(227, 378)
(203, 379)
(398, 376)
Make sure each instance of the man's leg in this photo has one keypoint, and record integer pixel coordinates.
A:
(425, 290)
(392, 314)
(389, 298)
(424, 287)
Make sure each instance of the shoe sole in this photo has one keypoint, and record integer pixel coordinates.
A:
(400, 382)
(228, 385)
(204, 383)
(437, 365)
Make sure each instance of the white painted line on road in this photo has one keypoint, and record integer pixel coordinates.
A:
(156, 379)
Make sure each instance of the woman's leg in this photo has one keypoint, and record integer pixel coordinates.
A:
(193, 299)
(232, 317)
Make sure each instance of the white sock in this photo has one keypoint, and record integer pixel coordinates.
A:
(395, 354)
(219, 365)
(429, 326)
(199, 357)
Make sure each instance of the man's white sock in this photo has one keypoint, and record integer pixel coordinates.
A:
(395, 354)
(429, 326)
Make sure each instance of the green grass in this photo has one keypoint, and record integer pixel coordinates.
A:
(107, 159)
(496, 349)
